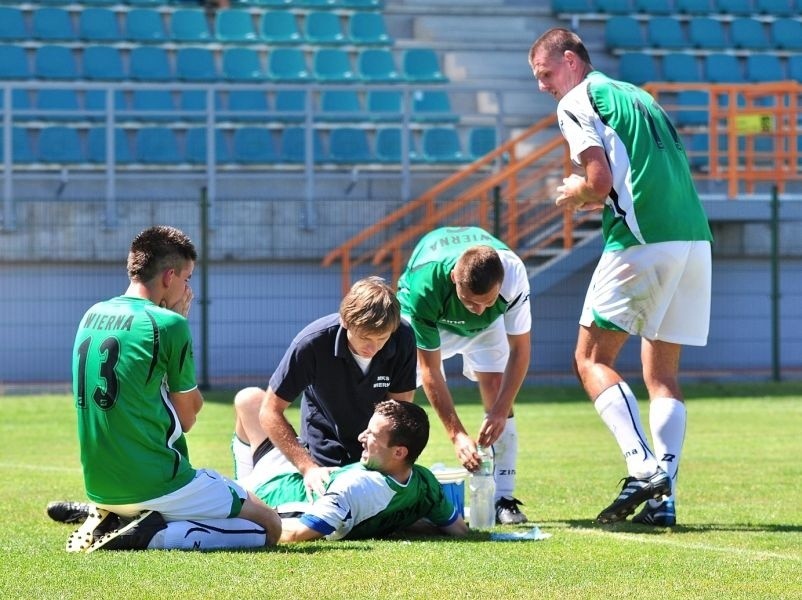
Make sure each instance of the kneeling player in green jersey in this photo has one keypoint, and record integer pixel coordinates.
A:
(386, 492)
(465, 292)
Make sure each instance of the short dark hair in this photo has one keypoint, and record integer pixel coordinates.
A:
(409, 426)
(156, 249)
(479, 269)
(557, 41)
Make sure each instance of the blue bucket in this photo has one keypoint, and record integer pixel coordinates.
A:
(453, 483)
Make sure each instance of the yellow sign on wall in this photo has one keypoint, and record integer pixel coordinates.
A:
(753, 123)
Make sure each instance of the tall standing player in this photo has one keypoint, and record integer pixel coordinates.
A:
(654, 276)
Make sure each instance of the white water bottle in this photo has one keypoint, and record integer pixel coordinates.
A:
(483, 491)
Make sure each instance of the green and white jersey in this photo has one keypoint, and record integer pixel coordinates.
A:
(361, 503)
(128, 353)
(653, 197)
(429, 299)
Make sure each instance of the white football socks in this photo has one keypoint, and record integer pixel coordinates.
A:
(618, 408)
(243, 457)
(209, 534)
(505, 452)
(667, 420)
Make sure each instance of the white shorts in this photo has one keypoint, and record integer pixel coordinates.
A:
(486, 352)
(268, 466)
(656, 291)
(208, 496)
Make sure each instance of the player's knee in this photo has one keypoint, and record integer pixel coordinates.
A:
(247, 397)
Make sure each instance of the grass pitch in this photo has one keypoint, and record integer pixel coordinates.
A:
(739, 510)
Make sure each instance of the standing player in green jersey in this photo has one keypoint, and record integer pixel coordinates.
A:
(467, 293)
(136, 395)
(385, 492)
(654, 276)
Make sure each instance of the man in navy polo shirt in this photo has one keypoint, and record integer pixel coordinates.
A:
(341, 365)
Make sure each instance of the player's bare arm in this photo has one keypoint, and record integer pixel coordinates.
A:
(589, 192)
(187, 406)
(292, 530)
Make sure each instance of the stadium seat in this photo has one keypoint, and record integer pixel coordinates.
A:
(145, 26)
(98, 25)
(279, 27)
(775, 8)
(680, 67)
(323, 28)
(764, 67)
(692, 108)
(722, 68)
(21, 147)
(786, 34)
(96, 146)
(253, 145)
(733, 7)
(293, 145)
(665, 32)
(442, 145)
(95, 101)
(654, 7)
(432, 105)
(235, 25)
(481, 141)
(59, 144)
(195, 144)
(267, 3)
(149, 63)
(287, 65)
(706, 33)
(247, 105)
(156, 146)
(377, 65)
(58, 104)
(52, 25)
(614, 7)
(96, 2)
(795, 68)
(145, 3)
(384, 105)
(242, 64)
(12, 24)
(190, 25)
(55, 62)
(637, 68)
(20, 100)
(314, 3)
(195, 65)
(692, 7)
(340, 105)
(623, 32)
(332, 65)
(290, 105)
(572, 6)
(746, 33)
(192, 104)
(13, 63)
(361, 4)
(102, 63)
(349, 145)
(388, 145)
(368, 28)
(422, 65)
(153, 105)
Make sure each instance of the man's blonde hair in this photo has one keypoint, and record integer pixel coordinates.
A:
(371, 306)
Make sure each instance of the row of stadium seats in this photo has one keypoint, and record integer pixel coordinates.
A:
(771, 8)
(247, 146)
(702, 33)
(237, 64)
(282, 106)
(51, 24)
(698, 148)
(331, 4)
(642, 67)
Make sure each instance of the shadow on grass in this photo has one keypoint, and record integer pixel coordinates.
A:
(629, 527)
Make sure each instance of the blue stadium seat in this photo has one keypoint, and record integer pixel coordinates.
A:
(654, 7)
(332, 65)
(665, 32)
(368, 28)
(388, 145)
(279, 27)
(12, 24)
(149, 63)
(623, 32)
(722, 68)
(13, 63)
(422, 65)
(340, 105)
(242, 64)
(267, 3)
(290, 105)
(195, 144)
(287, 65)
(192, 104)
(361, 4)
(293, 146)
(748, 34)
(349, 145)
(572, 6)
(432, 105)
(59, 144)
(195, 65)
(95, 101)
(156, 146)
(614, 7)
(102, 63)
(775, 8)
(96, 2)
(145, 3)
(786, 34)
(680, 67)
(706, 33)
(20, 100)
(764, 67)
(377, 65)
(58, 104)
(314, 3)
(153, 105)
(692, 108)
(733, 7)
(235, 25)
(96, 146)
(145, 26)
(384, 105)
(253, 145)
(190, 25)
(248, 105)
(481, 141)
(21, 147)
(795, 68)
(693, 7)
(637, 68)
(52, 25)
(55, 62)
(98, 25)
(442, 145)
(323, 28)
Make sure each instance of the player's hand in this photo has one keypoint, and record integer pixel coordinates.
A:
(569, 194)
(466, 451)
(491, 429)
(315, 481)
(183, 304)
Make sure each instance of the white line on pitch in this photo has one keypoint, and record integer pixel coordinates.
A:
(25, 467)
